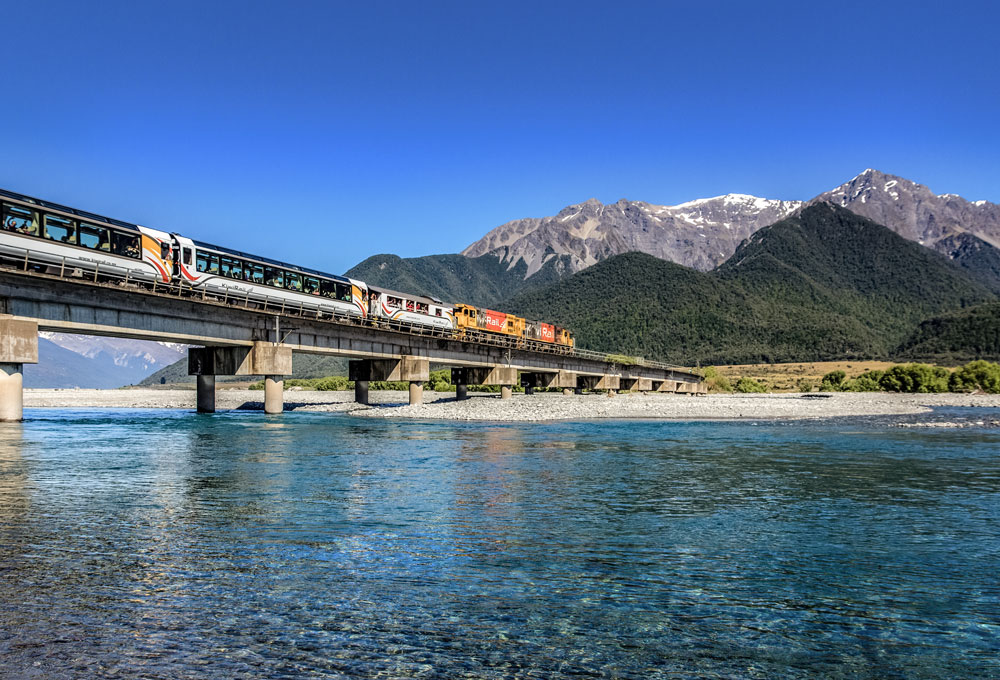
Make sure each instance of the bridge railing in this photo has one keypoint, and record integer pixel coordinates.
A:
(44, 267)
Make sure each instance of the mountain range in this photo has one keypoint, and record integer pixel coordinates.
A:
(704, 233)
(821, 284)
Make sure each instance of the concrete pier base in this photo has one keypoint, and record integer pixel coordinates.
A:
(206, 393)
(416, 392)
(567, 391)
(461, 392)
(529, 389)
(361, 391)
(577, 390)
(11, 393)
(18, 346)
(274, 394)
(506, 392)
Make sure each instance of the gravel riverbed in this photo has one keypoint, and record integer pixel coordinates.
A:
(537, 407)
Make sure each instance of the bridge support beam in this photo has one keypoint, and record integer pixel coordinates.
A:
(262, 358)
(18, 346)
(628, 384)
(504, 376)
(599, 382)
(206, 393)
(665, 385)
(413, 370)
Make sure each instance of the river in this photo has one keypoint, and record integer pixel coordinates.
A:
(164, 544)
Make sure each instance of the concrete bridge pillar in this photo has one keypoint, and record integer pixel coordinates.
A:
(206, 393)
(413, 370)
(274, 394)
(461, 391)
(18, 346)
(416, 392)
(361, 392)
(261, 358)
(504, 376)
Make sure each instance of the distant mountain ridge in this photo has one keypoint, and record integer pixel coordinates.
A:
(703, 233)
(70, 360)
(699, 234)
(914, 211)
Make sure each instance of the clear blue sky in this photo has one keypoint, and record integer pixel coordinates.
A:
(323, 132)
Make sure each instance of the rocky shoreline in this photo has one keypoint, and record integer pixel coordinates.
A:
(537, 407)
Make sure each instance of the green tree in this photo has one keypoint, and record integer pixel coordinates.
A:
(746, 385)
(976, 375)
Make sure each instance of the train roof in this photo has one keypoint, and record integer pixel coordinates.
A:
(93, 217)
(267, 260)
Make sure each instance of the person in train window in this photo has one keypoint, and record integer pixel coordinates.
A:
(409, 305)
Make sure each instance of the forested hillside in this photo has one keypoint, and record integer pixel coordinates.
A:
(825, 284)
(958, 337)
(483, 281)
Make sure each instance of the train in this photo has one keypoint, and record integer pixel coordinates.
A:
(70, 242)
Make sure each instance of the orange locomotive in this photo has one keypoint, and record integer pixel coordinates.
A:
(469, 318)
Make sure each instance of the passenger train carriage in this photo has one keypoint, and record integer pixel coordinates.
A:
(409, 308)
(68, 242)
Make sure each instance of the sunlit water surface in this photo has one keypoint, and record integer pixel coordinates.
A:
(162, 544)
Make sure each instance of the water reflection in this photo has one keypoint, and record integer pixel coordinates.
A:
(161, 544)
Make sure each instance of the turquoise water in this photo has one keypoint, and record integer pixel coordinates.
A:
(163, 544)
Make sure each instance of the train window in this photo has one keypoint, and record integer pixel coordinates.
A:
(186, 256)
(344, 292)
(437, 311)
(293, 281)
(394, 302)
(231, 268)
(213, 264)
(327, 288)
(310, 285)
(20, 220)
(202, 264)
(165, 253)
(255, 273)
(92, 236)
(60, 229)
(422, 307)
(125, 244)
(274, 277)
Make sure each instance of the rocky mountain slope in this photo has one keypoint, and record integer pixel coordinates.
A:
(703, 233)
(913, 211)
(699, 234)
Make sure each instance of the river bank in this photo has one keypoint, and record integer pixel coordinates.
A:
(537, 407)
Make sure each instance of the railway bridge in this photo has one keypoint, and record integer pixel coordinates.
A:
(243, 337)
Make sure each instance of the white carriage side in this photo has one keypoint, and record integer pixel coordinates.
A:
(74, 242)
(408, 308)
(237, 275)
